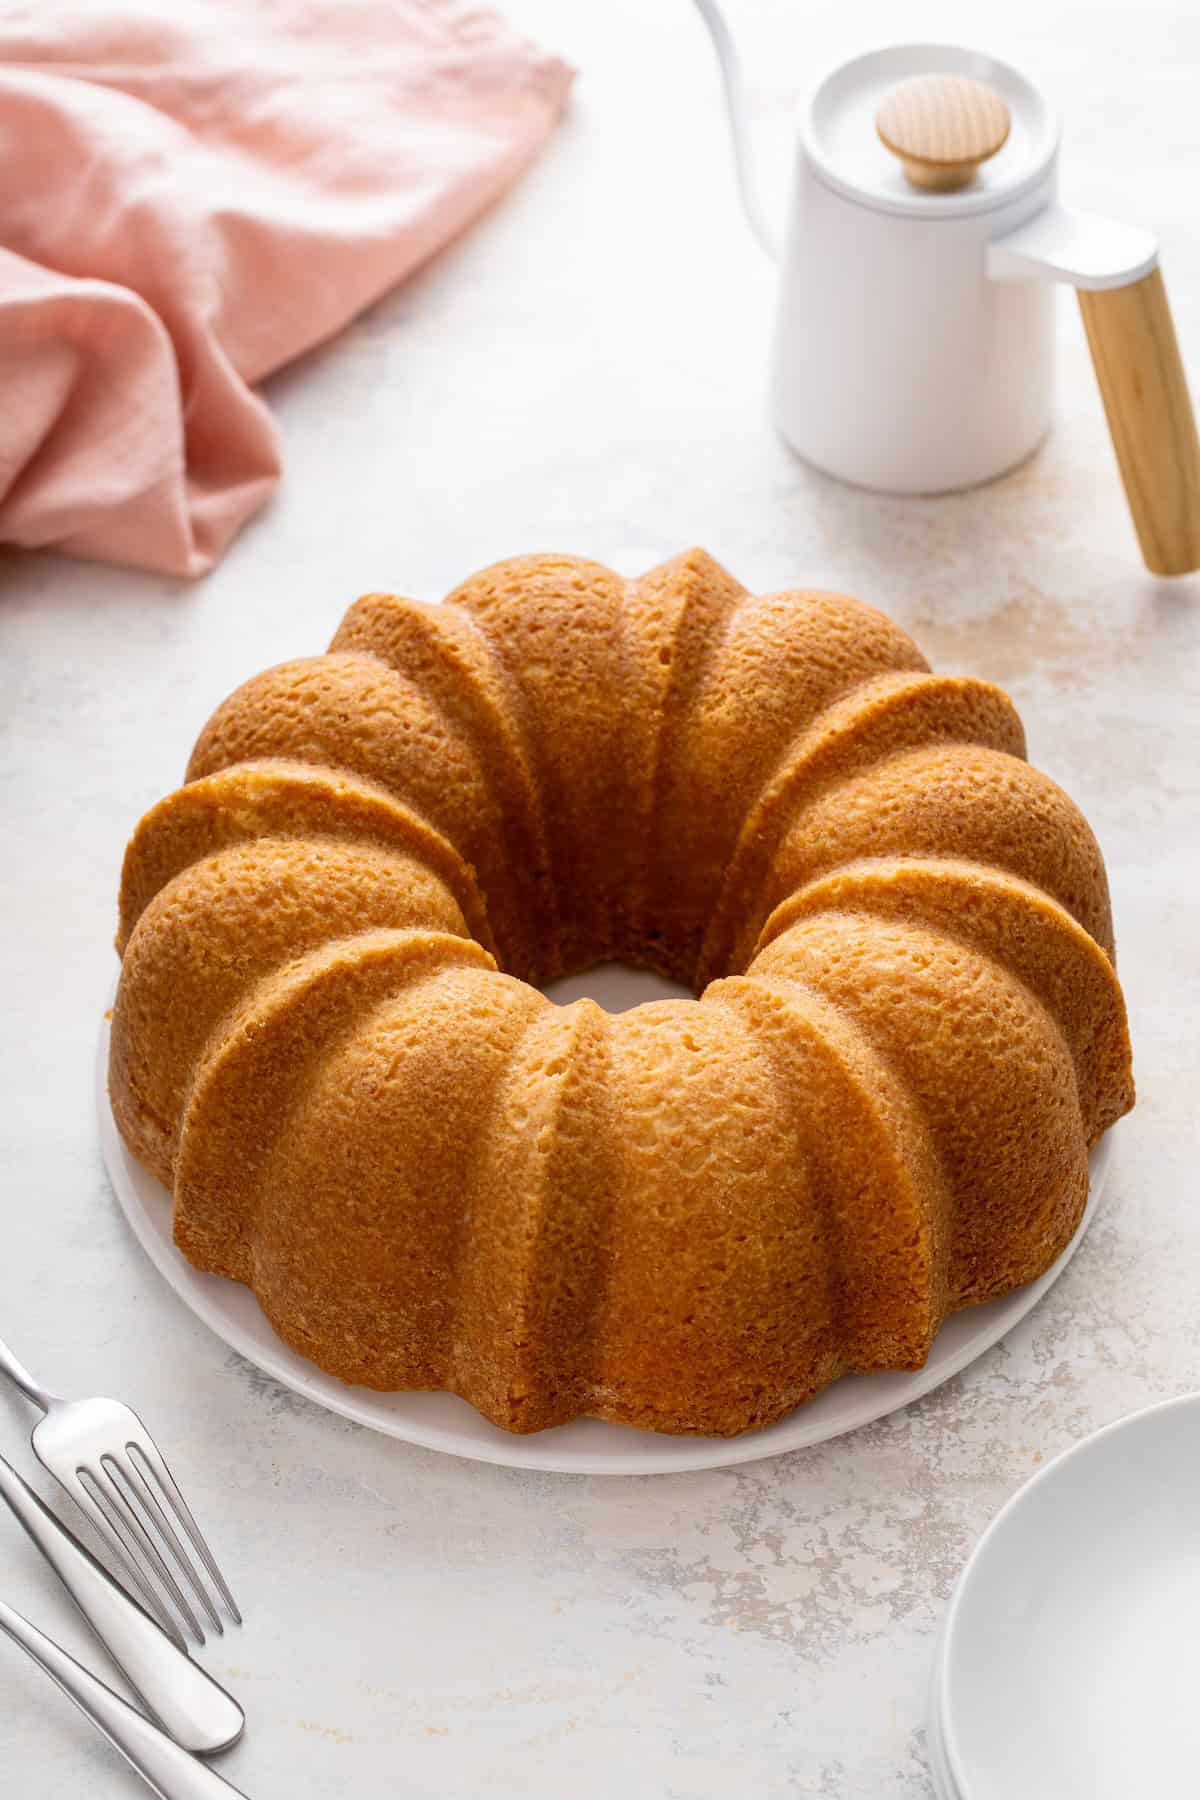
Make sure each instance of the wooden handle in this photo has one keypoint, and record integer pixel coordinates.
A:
(1149, 409)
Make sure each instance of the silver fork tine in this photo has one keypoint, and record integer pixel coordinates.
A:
(117, 1542)
(156, 1465)
(113, 1507)
(135, 1490)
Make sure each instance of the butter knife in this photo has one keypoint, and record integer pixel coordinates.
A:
(162, 1763)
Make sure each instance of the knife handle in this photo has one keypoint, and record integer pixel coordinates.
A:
(158, 1759)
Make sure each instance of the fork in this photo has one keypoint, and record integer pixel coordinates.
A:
(189, 1705)
(100, 1451)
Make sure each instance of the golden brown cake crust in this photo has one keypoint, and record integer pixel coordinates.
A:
(329, 1042)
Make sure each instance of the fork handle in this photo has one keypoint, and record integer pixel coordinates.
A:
(161, 1763)
(194, 1708)
(20, 1377)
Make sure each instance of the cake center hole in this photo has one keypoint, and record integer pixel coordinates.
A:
(616, 987)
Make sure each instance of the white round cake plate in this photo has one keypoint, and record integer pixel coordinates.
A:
(585, 1447)
(1069, 1663)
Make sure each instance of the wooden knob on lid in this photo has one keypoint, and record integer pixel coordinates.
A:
(942, 127)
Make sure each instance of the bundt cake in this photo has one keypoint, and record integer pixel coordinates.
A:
(329, 1042)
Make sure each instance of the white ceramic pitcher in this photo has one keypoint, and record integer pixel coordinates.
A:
(914, 348)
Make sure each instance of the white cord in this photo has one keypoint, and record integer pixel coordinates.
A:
(735, 107)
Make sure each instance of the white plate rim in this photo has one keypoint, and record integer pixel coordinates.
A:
(944, 1784)
(849, 1404)
(941, 1718)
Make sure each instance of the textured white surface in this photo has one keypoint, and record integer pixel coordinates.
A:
(585, 372)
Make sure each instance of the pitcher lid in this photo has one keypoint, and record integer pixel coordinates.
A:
(841, 135)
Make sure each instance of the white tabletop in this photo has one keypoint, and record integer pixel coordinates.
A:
(586, 372)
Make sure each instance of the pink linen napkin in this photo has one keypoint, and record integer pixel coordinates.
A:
(193, 193)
